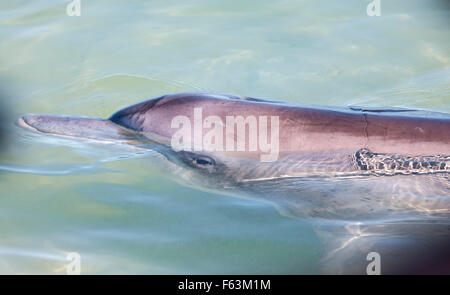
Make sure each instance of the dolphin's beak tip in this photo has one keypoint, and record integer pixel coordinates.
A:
(22, 122)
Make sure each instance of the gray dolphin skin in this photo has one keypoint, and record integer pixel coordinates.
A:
(374, 172)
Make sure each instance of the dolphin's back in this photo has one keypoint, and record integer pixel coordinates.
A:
(408, 132)
(389, 131)
(305, 128)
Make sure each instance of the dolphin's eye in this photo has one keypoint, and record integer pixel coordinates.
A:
(198, 161)
(204, 161)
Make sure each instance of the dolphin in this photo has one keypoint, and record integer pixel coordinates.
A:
(373, 169)
(314, 144)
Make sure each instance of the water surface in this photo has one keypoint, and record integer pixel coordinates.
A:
(117, 208)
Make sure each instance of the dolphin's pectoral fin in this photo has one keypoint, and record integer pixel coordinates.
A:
(80, 127)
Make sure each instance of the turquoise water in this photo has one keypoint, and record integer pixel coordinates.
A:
(117, 208)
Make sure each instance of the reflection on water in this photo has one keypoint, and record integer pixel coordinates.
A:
(124, 211)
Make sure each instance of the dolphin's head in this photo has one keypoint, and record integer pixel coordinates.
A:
(171, 119)
(155, 123)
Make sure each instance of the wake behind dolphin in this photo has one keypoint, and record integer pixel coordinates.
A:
(368, 167)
